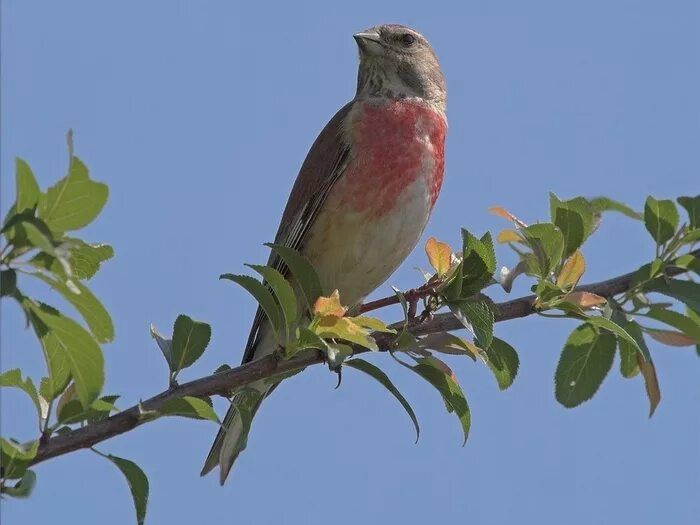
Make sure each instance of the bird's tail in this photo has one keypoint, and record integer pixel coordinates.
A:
(233, 434)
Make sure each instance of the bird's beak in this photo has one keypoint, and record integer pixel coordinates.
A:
(369, 41)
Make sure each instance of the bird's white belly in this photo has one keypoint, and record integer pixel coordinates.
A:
(356, 252)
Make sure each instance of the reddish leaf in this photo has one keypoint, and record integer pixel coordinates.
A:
(651, 383)
(502, 212)
(439, 255)
(571, 270)
(325, 306)
(585, 299)
(670, 337)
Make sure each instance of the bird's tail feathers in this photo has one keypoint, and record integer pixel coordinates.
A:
(233, 434)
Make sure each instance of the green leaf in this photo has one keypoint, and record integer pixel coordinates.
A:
(585, 361)
(547, 243)
(16, 457)
(575, 220)
(24, 487)
(165, 345)
(344, 328)
(687, 262)
(262, 295)
(284, 293)
(74, 201)
(430, 370)
(601, 204)
(192, 407)
(89, 306)
(62, 336)
(607, 324)
(692, 206)
(677, 320)
(138, 484)
(8, 282)
(84, 259)
(503, 361)
(372, 323)
(478, 264)
(480, 317)
(70, 410)
(661, 219)
(379, 375)
(27, 188)
(629, 364)
(307, 339)
(687, 292)
(303, 272)
(190, 339)
(443, 342)
(13, 379)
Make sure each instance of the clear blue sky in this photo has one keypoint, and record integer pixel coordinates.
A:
(198, 115)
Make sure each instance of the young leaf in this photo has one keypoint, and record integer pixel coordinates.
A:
(190, 339)
(439, 255)
(284, 293)
(381, 377)
(188, 406)
(27, 188)
(325, 306)
(571, 271)
(138, 484)
(601, 204)
(503, 361)
(677, 320)
(372, 323)
(302, 270)
(75, 345)
(585, 300)
(331, 326)
(446, 384)
(585, 361)
(660, 218)
(505, 236)
(502, 212)
(261, 294)
(692, 206)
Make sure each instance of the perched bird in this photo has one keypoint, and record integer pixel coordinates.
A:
(364, 193)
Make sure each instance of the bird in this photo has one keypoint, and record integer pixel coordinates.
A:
(363, 195)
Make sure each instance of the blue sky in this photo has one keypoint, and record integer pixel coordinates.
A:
(198, 115)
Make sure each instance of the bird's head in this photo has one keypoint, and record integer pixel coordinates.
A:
(398, 62)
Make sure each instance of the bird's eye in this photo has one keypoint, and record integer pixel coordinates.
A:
(407, 39)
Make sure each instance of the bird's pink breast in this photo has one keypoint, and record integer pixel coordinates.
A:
(393, 144)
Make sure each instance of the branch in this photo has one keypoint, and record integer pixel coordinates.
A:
(270, 366)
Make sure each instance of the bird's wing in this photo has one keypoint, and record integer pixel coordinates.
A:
(323, 166)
